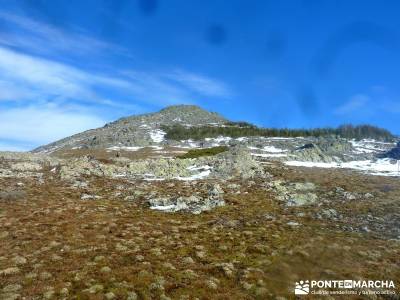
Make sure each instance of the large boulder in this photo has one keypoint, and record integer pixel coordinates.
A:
(324, 150)
(237, 162)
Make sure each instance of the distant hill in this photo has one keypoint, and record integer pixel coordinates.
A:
(182, 122)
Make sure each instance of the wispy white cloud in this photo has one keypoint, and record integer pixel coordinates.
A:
(52, 97)
(201, 84)
(30, 76)
(355, 103)
(27, 33)
(173, 87)
(27, 66)
(21, 73)
(37, 125)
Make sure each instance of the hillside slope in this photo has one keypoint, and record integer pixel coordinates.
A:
(140, 130)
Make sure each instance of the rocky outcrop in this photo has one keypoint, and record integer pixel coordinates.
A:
(294, 194)
(85, 166)
(237, 162)
(194, 204)
(323, 150)
(23, 164)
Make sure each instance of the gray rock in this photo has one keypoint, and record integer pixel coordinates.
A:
(324, 150)
(12, 288)
(135, 130)
(192, 204)
(301, 199)
(294, 194)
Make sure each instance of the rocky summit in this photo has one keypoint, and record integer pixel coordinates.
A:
(141, 130)
(185, 204)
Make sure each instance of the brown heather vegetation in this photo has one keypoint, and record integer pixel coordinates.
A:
(245, 250)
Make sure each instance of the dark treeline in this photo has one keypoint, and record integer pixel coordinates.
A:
(243, 129)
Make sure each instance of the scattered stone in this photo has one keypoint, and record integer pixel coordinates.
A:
(105, 270)
(64, 292)
(10, 271)
(188, 260)
(19, 260)
(94, 289)
(212, 283)
(49, 294)
(99, 258)
(90, 197)
(45, 275)
(110, 296)
(132, 296)
(12, 288)
(293, 224)
(4, 234)
(10, 296)
(227, 268)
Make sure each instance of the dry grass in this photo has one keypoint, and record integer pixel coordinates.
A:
(61, 234)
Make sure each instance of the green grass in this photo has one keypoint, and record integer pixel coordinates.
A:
(204, 152)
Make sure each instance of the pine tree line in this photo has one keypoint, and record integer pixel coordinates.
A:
(243, 129)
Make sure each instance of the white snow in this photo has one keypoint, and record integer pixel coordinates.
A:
(195, 168)
(269, 154)
(242, 139)
(198, 176)
(157, 135)
(125, 148)
(153, 178)
(273, 149)
(157, 148)
(270, 149)
(284, 138)
(219, 139)
(205, 171)
(367, 146)
(310, 164)
(191, 144)
(164, 208)
(383, 167)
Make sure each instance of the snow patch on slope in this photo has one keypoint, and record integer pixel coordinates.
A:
(157, 135)
(383, 167)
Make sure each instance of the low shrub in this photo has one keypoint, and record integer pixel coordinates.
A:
(195, 153)
(12, 195)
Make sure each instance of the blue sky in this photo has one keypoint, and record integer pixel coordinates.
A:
(67, 66)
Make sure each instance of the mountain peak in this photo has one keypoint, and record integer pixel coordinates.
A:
(183, 108)
(137, 130)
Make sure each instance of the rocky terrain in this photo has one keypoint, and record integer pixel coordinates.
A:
(117, 213)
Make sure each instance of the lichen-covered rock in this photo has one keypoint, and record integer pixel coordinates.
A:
(192, 204)
(294, 194)
(85, 165)
(237, 162)
(26, 166)
(324, 150)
